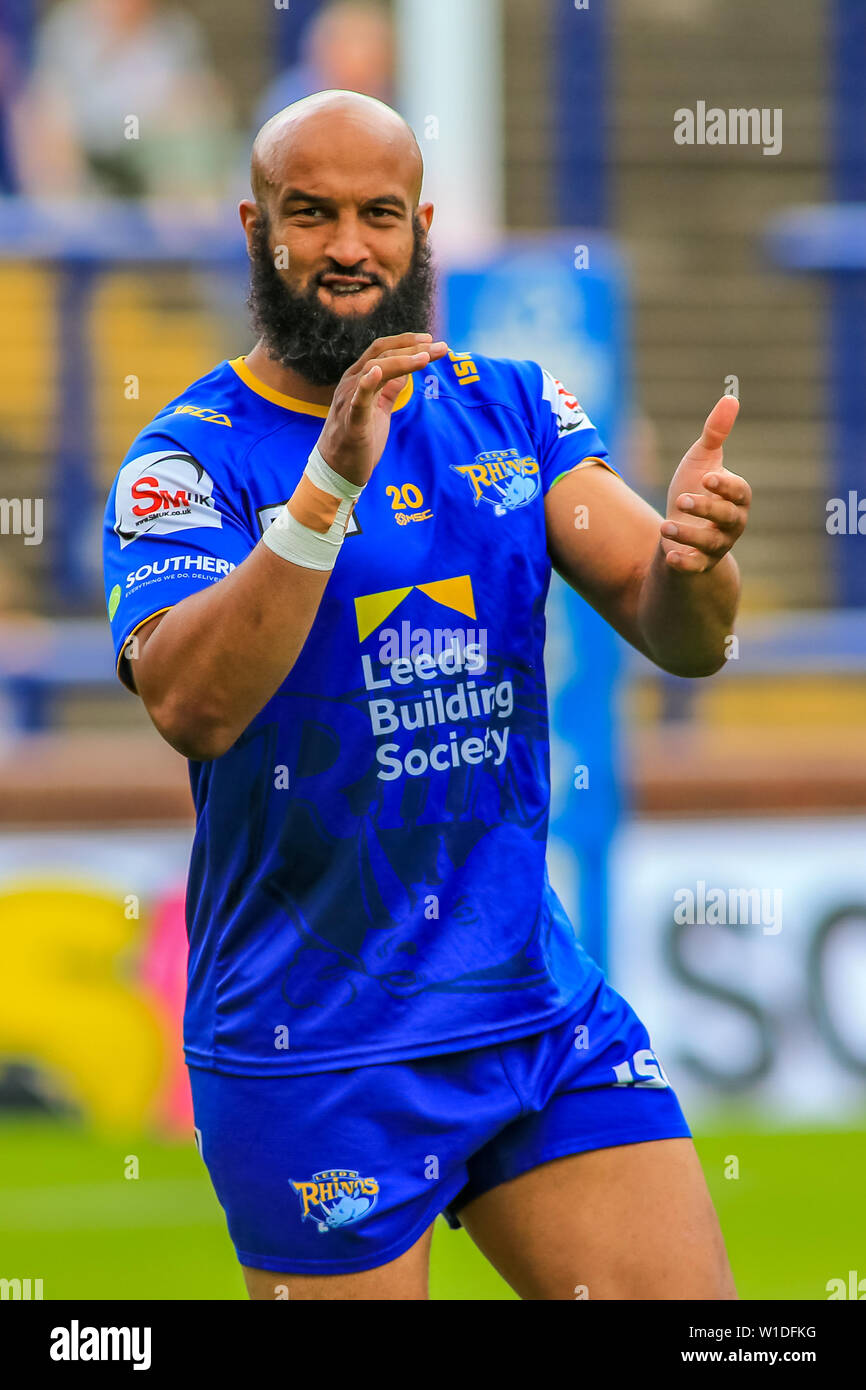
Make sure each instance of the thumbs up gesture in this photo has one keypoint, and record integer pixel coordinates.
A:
(707, 505)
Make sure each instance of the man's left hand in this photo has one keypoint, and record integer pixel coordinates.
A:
(707, 505)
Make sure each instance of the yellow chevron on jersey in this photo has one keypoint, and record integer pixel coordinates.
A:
(373, 609)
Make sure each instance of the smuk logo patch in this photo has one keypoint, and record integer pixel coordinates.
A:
(160, 493)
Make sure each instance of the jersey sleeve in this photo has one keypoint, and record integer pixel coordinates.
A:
(170, 531)
(568, 438)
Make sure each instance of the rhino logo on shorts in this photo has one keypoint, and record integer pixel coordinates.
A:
(336, 1197)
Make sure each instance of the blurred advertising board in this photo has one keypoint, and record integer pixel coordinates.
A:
(93, 945)
(742, 945)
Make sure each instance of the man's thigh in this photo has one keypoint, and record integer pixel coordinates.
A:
(631, 1222)
(407, 1277)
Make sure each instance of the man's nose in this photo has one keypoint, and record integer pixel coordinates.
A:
(348, 244)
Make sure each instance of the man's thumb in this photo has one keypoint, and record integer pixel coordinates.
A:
(719, 422)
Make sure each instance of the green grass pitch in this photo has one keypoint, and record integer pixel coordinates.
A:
(793, 1219)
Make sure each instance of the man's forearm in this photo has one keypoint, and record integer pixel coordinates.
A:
(216, 658)
(685, 619)
(211, 663)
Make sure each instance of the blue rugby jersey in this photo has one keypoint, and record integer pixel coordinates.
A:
(367, 880)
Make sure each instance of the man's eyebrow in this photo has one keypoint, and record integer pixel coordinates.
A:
(297, 195)
(391, 200)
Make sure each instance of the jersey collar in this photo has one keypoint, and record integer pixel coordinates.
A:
(238, 364)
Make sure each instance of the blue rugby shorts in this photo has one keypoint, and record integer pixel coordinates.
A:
(341, 1171)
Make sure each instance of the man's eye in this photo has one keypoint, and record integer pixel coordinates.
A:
(383, 212)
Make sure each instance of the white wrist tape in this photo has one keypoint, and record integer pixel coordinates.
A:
(304, 545)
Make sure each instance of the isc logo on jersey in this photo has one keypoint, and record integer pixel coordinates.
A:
(160, 493)
(204, 412)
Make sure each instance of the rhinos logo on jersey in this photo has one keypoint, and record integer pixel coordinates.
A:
(160, 493)
(502, 478)
(566, 407)
(336, 1197)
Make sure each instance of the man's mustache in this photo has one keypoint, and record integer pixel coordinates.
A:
(353, 271)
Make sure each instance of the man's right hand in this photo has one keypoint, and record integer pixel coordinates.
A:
(356, 430)
(206, 667)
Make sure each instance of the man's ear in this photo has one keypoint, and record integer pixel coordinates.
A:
(424, 214)
(250, 213)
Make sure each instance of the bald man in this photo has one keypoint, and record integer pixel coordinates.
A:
(326, 567)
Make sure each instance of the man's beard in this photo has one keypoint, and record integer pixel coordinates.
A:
(302, 333)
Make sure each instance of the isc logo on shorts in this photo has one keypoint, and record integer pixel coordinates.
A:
(648, 1071)
(336, 1197)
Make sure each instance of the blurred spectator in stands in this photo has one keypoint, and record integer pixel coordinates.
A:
(123, 102)
(349, 45)
(14, 29)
